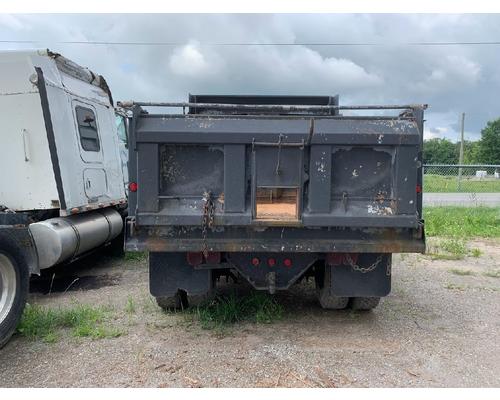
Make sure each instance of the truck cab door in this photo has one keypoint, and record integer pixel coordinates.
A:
(91, 153)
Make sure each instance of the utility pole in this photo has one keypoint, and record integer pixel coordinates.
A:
(461, 155)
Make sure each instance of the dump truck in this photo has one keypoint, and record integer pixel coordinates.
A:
(62, 165)
(273, 189)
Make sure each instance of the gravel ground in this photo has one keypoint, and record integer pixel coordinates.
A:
(435, 329)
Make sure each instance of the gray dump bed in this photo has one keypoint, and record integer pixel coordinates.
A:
(286, 173)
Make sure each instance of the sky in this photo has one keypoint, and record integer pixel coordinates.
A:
(451, 79)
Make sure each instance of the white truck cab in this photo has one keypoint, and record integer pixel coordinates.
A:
(57, 152)
(62, 183)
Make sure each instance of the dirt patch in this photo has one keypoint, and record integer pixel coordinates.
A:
(48, 284)
(436, 328)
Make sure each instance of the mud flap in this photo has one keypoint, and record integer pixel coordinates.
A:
(18, 239)
(349, 282)
(169, 272)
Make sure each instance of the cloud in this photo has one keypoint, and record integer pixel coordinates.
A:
(450, 74)
(189, 61)
(436, 132)
(11, 22)
(305, 69)
(452, 79)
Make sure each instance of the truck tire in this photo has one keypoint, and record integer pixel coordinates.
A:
(198, 299)
(169, 303)
(364, 303)
(14, 285)
(182, 300)
(323, 290)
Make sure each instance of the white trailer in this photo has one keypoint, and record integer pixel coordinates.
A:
(62, 184)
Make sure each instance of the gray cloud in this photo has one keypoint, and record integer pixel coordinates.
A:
(450, 79)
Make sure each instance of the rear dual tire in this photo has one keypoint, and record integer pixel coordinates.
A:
(356, 303)
(181, 300)
(364, 303)
(330, 302)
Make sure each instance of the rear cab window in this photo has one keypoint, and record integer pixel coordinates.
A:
(87, 129)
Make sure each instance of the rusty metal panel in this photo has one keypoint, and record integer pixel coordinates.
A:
(320, 179)
(147, 177)
(405, 179)
(235, 185)
(189, 170)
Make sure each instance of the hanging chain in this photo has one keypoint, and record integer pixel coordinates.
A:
(358, 268)
(207, 220)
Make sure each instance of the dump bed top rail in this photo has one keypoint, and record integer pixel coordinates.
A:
(270, 107)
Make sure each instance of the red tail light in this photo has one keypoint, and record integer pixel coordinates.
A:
(255, 261)
(132, 186)
(271, 262)
(334, 259)
(287, 262)
(213, 257)
(194, 259)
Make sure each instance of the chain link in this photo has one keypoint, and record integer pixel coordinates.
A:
(207, 220)
(358, 268)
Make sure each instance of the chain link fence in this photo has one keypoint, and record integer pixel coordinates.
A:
(442, 178)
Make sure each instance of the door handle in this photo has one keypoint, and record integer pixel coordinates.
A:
(24, 134)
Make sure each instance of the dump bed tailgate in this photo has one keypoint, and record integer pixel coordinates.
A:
(265, 171)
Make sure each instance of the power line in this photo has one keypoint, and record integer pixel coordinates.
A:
(235, 44)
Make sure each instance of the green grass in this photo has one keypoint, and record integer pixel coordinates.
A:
(130, 306)
(47, 324)
(462, 222)
(135, 256)
(447, 249)
(475, 252)
(449, 184)
(493, 274)
(227, 310)
(461, 272)
(450, 249)
(453, 286)
(455, 247)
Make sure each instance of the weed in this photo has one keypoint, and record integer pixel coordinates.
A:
(454, 249)
(475, 252)
(44, 323)
(135, 256)
(130, 307)
(223, 311)
(149, 306)
(453, 286)
(493, 274)
(461, 272)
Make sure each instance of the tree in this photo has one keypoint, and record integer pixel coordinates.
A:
(489, 145)
(440, 151)
(470, 151)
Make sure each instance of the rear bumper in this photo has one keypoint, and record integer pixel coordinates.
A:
(277, 239)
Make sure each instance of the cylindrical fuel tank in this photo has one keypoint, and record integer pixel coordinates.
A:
(60, 239)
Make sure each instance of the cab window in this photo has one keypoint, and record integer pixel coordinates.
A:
(121, 128)
(87, 129)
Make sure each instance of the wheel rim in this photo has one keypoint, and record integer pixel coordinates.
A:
(8, 286)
